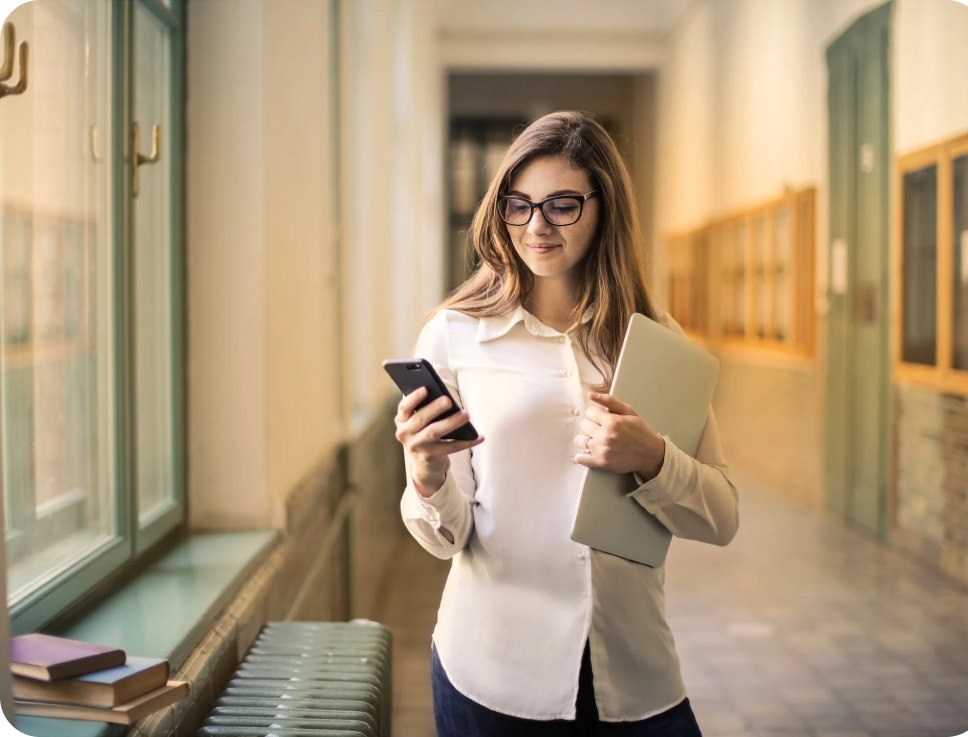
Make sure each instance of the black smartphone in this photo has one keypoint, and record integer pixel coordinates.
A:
(409, 374)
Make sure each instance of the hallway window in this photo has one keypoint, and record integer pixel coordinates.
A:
(747, 279)
(959, 237)
(920, 265)
(931, 268)
(89, 357)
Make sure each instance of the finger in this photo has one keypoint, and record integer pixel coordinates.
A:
(457, 446)
(599, 415)
(586, 459)
(436, 430)
(425, 415)
(409, 403)
(612, 404)
(591, 429)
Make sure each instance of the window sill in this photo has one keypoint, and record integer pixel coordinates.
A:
(164, 611)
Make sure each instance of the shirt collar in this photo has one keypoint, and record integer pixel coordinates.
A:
(491, 328)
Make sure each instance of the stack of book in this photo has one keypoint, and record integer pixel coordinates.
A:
(56, 677)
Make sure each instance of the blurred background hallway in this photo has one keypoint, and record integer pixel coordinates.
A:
(219, 216)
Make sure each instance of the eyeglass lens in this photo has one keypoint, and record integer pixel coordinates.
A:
(559, 211)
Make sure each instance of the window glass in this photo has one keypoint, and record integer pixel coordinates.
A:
(960, 241)
(781, 272)
(739, 278)
(802, 261)
(919, 269)
(761, 245)
(724, 248)
(153, 248)
(700, 289)
(56, 347)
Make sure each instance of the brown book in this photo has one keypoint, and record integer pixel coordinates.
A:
(46, 658)
(105, 688)
(126, 713)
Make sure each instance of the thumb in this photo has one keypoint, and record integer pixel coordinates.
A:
(612, 404)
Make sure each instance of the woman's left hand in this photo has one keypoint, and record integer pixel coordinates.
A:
(616, 438)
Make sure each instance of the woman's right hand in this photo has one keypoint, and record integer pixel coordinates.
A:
(422, 437)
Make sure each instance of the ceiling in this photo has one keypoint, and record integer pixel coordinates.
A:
(546, 17)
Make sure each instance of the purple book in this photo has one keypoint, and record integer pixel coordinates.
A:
(46, 658)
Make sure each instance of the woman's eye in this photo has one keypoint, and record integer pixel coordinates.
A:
(564, 208)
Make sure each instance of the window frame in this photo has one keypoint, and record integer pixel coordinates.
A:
(714, 263)
(127, 550)
(942, 376)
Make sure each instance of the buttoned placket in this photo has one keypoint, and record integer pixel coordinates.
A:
(572, 373)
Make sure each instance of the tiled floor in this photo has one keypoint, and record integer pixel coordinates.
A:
(800, 627)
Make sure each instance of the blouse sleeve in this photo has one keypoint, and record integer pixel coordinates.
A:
(442, 523)
(695, 498)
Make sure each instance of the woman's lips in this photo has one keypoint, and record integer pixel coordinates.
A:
(542, 247)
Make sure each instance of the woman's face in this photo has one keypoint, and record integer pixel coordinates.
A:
(550, 250)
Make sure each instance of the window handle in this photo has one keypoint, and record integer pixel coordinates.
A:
(139, 158)
(6, 71)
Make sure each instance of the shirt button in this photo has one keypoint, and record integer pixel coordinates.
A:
(568, 372)
(561, 339)
(576, 412)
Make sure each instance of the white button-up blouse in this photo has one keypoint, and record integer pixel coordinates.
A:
(522, 598)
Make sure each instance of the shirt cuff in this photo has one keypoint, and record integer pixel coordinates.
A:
(443, 508)
(666, 487)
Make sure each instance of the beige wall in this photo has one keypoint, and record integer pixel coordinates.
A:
(290, 316)
(302, 410)
(226, 189)
(391, 188)
(262, 288)
(930, 56)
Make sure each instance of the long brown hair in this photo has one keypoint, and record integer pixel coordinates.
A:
(613, 272)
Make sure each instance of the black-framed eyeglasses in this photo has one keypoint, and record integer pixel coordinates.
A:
(560, 209)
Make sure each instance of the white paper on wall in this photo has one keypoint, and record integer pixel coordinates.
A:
(838, 266)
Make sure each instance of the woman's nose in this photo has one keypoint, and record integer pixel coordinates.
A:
(538, 224)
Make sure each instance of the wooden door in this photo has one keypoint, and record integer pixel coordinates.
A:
(858, 369)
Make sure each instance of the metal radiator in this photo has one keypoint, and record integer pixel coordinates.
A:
(309, 679)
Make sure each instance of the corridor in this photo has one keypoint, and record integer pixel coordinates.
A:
(800, 627)
(220, 220)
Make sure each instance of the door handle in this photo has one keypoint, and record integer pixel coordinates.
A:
(6, 71)
(138, 158)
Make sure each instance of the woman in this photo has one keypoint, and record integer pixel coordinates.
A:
(537, 634)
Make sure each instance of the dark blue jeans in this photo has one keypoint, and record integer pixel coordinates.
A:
(458, 716)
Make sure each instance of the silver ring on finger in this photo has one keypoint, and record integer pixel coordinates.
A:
(585, 446)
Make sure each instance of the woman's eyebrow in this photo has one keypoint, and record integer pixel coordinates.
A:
(518, 193)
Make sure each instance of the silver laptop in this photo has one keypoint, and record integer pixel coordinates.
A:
(670, 382)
